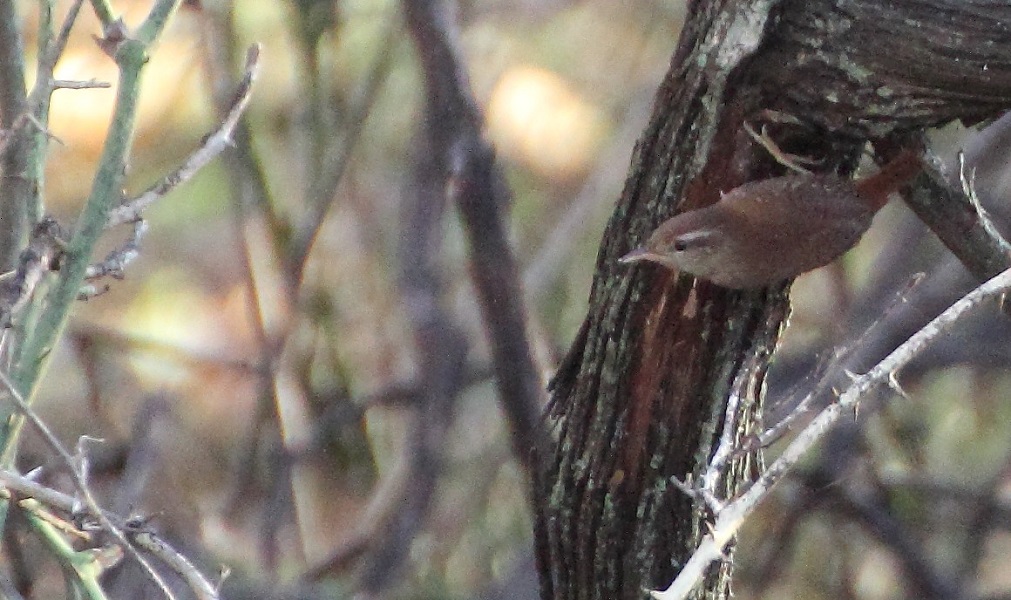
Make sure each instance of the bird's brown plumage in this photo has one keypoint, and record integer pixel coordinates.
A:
(774, 229)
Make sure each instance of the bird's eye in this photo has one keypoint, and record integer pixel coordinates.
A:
(680, 246)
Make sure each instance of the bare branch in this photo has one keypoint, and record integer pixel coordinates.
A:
(213, 145)
(147, 540)
(115, 263)
(337, 156)
(201, 587)
(477, 186)
(82, 486)
(70, 84)
(953, 216)
(729, 520)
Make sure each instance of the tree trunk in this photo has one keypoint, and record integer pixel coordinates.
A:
(641, 397)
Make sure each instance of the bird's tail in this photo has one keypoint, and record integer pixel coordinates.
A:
(893, 175)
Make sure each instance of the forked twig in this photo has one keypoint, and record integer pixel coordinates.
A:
(212, 145)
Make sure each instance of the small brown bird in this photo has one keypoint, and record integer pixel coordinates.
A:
(767, 231)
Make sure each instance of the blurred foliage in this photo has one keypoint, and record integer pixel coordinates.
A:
(557, 82)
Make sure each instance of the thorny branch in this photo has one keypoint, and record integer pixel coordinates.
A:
(33, 130)
(213, 145)
(115, 263)
(730, 517)
(46, 243)
(147, 540)
(81, 484)
(43, 254)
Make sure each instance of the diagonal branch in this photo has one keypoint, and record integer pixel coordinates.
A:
(216, 142)
(732, 515)
(82, 486)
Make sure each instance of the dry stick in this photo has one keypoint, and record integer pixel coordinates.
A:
(442, 347)
(150, 542)
(53, 53)
(951, 216)
(834, 368)
(82, 486)
(729, 520)
(201, 587)
(213, 145)
(115, 263)
(72, 84)
(968, 184)
(131, 211)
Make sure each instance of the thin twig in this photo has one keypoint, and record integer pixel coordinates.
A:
(82, 486)
(967, 177)
(145, 539)
(73, 84)
(38, 105)
(131, 56)
(115, 263)
(789, 161)
(45, 84)
(201, 587)
(835, 367)
(213, 145)
(951, 216)
(729, 520)
(250, 197)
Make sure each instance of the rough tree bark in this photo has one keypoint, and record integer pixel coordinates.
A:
(641, 396)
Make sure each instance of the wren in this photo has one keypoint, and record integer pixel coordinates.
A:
(767, 231)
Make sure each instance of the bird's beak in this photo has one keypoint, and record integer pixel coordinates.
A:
(644, 254)
(640, 254)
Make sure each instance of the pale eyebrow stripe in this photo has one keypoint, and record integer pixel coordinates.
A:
(693, 237)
